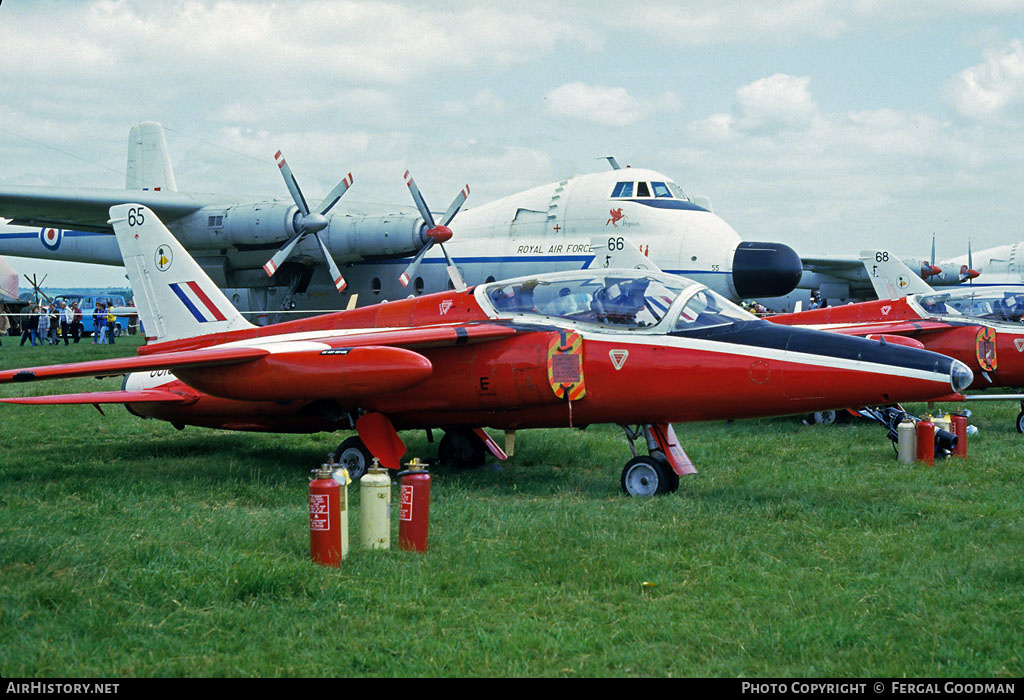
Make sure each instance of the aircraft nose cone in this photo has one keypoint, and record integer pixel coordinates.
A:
(765, 269)
(960, 376)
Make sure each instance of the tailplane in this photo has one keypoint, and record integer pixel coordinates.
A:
(175, 298)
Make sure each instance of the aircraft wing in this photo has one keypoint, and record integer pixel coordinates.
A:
(123, 365)
(88, 209)
(901, 327)
(403, 337)
(102, 397)
(831, 263)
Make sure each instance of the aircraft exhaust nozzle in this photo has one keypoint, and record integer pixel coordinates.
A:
(960, 376)
(765, 269)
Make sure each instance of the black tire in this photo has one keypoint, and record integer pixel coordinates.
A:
(461, 449)
(1020, 422)
(353, 455)
(117, 331)
(647, 476)
(825, 417)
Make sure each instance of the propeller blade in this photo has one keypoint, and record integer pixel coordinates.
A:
(932, 261)
(336, 277)
(414, 265)
(331, 199)
(293, 186)
(418, 198)
(454, 207)
(281, 255)
(453, 272)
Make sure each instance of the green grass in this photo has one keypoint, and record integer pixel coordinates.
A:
(128, 548)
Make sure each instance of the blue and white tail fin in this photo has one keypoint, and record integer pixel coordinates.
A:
(175, 298)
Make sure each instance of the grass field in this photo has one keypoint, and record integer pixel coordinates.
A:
(128, 548)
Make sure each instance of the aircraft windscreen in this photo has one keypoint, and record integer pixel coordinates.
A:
(706, 309)
(992, 305)
(639, 301)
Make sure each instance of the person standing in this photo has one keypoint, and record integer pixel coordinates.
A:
(5, 323)
(111, 324)
(43, 325)
(76, 323)
(29, 324)
(97, 314)
(67, 318)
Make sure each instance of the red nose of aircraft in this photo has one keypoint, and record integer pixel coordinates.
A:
(765, 269)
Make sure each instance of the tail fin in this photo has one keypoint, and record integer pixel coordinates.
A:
(149, 166)
(890, 277)
(175, 298)
(618, 252)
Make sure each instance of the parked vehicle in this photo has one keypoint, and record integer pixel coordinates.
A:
(127, 318)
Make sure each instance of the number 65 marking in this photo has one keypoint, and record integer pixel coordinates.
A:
(136, 217)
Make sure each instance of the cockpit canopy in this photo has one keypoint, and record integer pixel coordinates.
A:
(999, 304)
(620, 299)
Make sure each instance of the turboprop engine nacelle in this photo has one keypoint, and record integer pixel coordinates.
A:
(349, 238)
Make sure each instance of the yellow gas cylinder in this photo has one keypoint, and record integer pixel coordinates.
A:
(342, 477)
(375, 508)
(942, 422)
(906, 442)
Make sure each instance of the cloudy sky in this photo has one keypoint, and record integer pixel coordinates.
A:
(824, 125)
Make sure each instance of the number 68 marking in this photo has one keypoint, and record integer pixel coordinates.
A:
(135, 217)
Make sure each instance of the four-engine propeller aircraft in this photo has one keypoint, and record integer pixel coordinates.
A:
(279, 254)
(981, 326)
(571, 349)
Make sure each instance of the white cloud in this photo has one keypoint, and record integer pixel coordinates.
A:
(606, 106)
(357, 42)
(778, 101)
(992, 88)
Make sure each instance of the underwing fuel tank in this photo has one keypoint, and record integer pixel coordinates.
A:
(765, 270)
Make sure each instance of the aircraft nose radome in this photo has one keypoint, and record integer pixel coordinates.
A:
(765, 269)
(960, 376)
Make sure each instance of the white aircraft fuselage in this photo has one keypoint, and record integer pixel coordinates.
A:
(545, 229)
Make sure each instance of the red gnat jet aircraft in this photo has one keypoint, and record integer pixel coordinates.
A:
(981, 326)
(569, 349)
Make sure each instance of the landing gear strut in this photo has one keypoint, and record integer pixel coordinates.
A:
(651, 474)
(461, 448)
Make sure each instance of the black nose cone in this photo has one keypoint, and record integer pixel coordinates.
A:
(765, 270)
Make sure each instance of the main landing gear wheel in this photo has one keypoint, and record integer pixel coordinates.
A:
(462, 449)
(353, 455)
(826, 417)
(1020, 422)
(646, 476)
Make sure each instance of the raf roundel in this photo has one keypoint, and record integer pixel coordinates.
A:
(163, 258)
(51, 237)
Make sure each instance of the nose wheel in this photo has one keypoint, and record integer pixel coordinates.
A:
(647, 476)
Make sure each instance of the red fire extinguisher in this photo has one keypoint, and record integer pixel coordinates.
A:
(414, 511)
(926, 442)
(960, 430)
(325, 537)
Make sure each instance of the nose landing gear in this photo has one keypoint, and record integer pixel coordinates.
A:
(658, 471)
